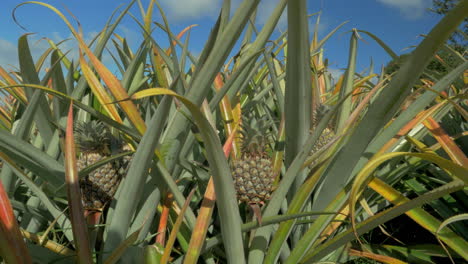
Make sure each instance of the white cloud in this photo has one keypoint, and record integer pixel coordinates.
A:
(266, 8)
(183, 10)
(38, 45)
(412, 9)
(180, 10)
(264, 11)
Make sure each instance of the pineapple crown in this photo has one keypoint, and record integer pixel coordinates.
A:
(94, 136)
(255, 136)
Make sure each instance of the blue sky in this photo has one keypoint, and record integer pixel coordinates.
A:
(397, 22)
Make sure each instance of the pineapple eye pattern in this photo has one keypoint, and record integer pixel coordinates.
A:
(253, 172)
(96, 143)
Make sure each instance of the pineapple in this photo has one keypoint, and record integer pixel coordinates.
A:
(253, 173)
(96, 143)
(327, 135)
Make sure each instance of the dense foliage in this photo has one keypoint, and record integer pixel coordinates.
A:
(259, 158)
(459, 38)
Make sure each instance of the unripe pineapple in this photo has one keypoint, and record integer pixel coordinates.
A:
(327, 135)
(96, 143)
(252, 173)
(324, 139)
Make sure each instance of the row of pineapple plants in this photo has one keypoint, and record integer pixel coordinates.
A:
(248, 159)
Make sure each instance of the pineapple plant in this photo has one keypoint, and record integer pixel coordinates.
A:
(152, 203)
(252, 172)
(96, 143)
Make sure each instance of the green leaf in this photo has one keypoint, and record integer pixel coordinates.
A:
(42, 114)
(384, 107)
(227, 203)
(119, 251)
(132, 185)
(32, 158)
(12, 246)
(79, 226)
(348, 84)
(205, 74)
(321, 251)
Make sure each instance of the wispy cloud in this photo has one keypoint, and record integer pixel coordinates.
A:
(182, 10)
(38, 45)
(412, 9)
(265, 10)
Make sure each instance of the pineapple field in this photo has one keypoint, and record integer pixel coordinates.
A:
(248, 152)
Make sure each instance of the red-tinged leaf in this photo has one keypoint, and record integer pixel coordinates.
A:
(113, 84)
(179, 36)
(339, 219)
(407, 128)
(206, 211)
(229, 144)
(161, 237)
(116, 89)
(79, 226)
(228, 209)
(450, 147)
(9, 80)
(12, 246)
(228, 116)
(92, 217)
(257, 212)
(17, 92)
(201, 226)
(99, 91)
(175, 229)
(338, 85)
(5, 111)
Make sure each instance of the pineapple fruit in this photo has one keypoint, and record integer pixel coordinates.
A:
(253, 173)
(327, 135)
(96, 143)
